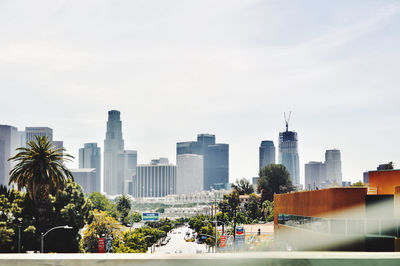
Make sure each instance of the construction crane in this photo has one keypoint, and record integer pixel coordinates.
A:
(287, 120)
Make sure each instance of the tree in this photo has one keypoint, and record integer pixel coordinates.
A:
(358, 184)
(253, 207)
(243, 186)
(230, 205)
(40, 168)
(102, 225)
(274, 178)
(268, 210)
(124, 206)
(69, 208)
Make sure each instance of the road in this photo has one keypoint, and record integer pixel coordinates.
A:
(177, 244)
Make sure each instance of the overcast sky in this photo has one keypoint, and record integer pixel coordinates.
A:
(231, 68)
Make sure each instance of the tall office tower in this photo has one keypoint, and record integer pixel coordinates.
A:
(217, 166)
(189, 173)
(8, 143)
(288, 153)
(21, 139)
(32, 132)
(315, 175)
(127, 162)
(113, 145)
(215, 159)
(90, 157)
(86, 177)
(333, 166)
(267, 153)
(154, 180)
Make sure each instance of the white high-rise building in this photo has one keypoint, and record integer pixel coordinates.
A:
(127, 161)
(90, 157)
(154, 180)
(32, 132)
(333, 166)
(86, 177)
(21, 139)
(9, 142)
(315, 175)
(189, 173)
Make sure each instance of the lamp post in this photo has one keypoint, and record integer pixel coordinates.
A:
(43, 235)
(19, 234)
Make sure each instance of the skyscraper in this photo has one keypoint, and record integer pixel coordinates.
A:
(8, 143)
(86, 178)
(113, 145)
(127, 162)
(215, 159)
(315, 175)
(288, 153)
(267, 153)
(157, 179)
(32, 132)
(189, 173)
(333, 166)
(90, 157)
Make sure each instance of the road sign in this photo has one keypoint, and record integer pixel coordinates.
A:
(101, 245)
(240, 237)
(222, 242)
(150, 216)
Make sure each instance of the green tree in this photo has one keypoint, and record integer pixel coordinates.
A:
(253, 211)
(124, 206)
(40, 169)
(243, 186)
(358, 184)
(101, 225)
(230, 206)
(268, 210)
(69, 208)
(274, 178)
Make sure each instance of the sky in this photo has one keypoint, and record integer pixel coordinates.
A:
(230, 68)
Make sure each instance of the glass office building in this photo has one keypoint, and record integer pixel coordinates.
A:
(289, 154)
(267, 153)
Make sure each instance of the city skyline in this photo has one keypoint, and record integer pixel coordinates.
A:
(176, 69)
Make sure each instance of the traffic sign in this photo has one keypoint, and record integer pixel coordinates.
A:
(150, 216)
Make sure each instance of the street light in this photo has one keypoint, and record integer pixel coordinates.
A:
(43, 235)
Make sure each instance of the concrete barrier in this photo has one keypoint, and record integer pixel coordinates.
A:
(231, 259)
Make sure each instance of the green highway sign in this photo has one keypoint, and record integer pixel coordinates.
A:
(150, 216)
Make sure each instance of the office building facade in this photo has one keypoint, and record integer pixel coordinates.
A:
(289, 154)
(9, 142)
(333, 166)
(266, 153)
(32, 132)
(90, 157)
(113, 145)
(215, 159)
(189, 173)
(127, 162)
(154, 180)
(315, 175)
(86, 178)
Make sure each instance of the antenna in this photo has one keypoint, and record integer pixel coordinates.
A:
(287, 120)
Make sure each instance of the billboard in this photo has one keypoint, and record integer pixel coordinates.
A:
(150, 216)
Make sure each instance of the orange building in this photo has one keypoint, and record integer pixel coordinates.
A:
(383, 182)
(358, 218)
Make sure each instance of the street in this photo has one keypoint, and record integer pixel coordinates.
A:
(177, 243)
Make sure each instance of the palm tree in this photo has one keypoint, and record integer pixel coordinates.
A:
(40, 169)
